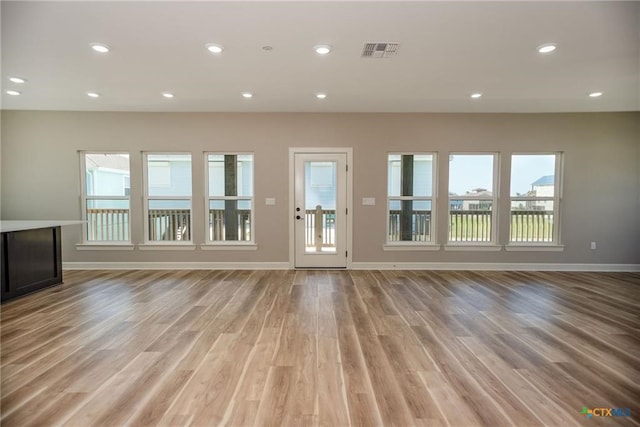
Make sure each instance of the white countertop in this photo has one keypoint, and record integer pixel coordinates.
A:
(6, 226)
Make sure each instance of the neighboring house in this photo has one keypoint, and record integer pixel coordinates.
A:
(455, 205)
(542, 187)
(168, 176)
(107, 175)
(481, 203)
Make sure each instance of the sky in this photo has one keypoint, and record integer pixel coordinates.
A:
(468, 172)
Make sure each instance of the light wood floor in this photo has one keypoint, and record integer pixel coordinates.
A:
(331, 348)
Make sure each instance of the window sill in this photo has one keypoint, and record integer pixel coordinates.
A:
(104, 246)
(410, 247)
(234, 246)
(533, 248)
(167, 247)
(473, 247)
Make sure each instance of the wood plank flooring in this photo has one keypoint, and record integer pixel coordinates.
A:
(326, 348)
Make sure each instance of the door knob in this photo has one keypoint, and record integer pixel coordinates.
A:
(297, 209)
(298, 217)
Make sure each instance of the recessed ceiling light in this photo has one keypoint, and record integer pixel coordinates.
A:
(247, 95)
(167, 95)
(100, 48)
(214, 48)
(17, 80)
(93, 95)
(13, 92)
(322, 49)
(547, 48)
(595, 94)
(476, 95)
(321, 95)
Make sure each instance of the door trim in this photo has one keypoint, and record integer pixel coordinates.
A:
(320, 150)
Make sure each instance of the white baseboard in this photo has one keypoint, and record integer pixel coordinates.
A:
(175, 265)
(354, 266)
(503, 266)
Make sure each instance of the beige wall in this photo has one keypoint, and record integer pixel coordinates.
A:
(40, 177)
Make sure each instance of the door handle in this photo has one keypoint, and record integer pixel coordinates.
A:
(298, 217)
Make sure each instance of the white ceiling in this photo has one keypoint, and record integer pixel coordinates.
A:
(447, 51)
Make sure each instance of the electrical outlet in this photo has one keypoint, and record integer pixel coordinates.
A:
(593, 245)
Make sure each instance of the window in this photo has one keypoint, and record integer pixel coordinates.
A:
(167, 198)
(105, 197)
(410, 197)
(229, 197)
(534, 198)
(472, 196)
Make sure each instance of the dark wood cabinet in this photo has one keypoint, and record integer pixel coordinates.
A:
(31, 260)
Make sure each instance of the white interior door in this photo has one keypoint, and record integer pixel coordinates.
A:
(320, 209)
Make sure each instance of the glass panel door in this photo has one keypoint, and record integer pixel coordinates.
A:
(320, 206)
(320, 210)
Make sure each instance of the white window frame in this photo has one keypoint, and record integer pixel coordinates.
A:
(221, 244)
(146, 198)
(84, 198)
(392, 245)
(494, 199)
(557, 198)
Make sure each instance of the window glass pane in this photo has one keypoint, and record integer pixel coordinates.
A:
(394, 177)
(169, 204)
(230, 220)
(107, 220)
(322, 174)
(321, 196)
(245, 175)
(224, 167)
(107, 174)
(422, 175)
(169, 220)
(471, 174)
(320, 189)
(220, 204)
(169, 174)
(532, 221)
(409, 220)
(470, 220)
(410, 175)
(244, 204)
(230, 176)
(533, 175)
(422, 205)
(470, 205)
(216, 205)
(216, 174)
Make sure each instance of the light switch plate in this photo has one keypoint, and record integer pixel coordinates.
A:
(368, 201)
(270, 201)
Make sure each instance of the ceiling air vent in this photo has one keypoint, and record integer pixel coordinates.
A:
(379, 50)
